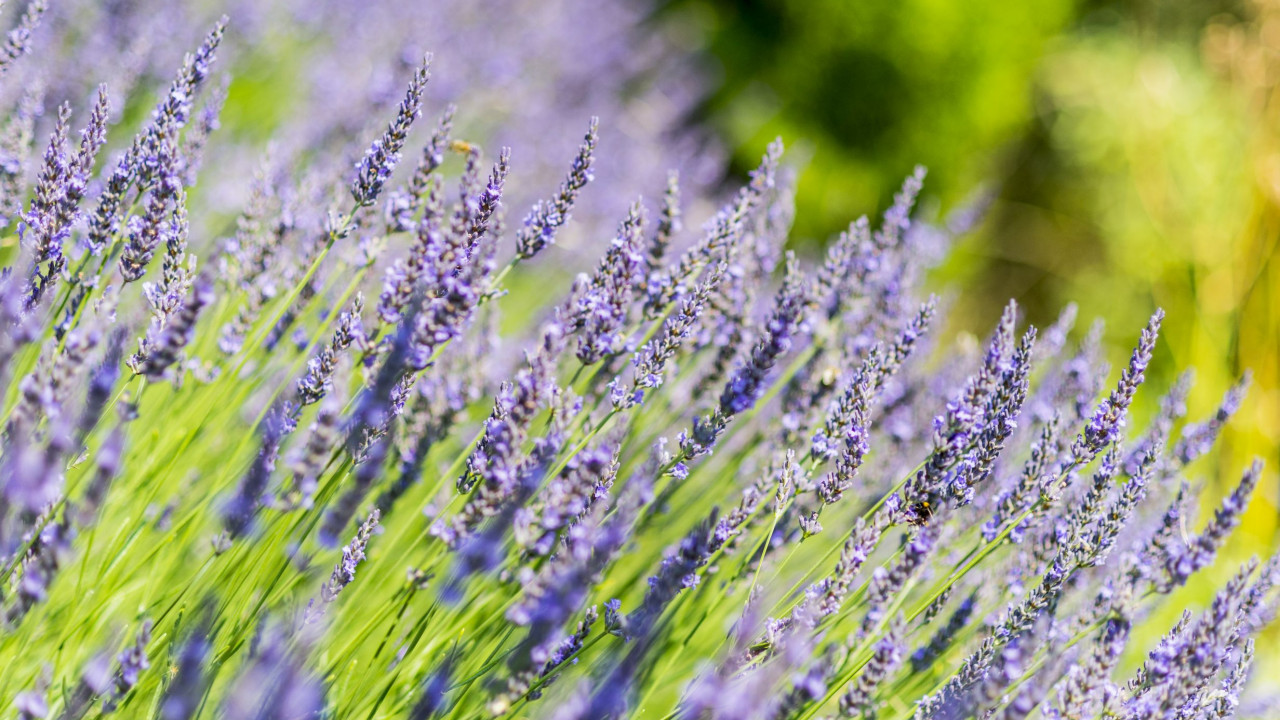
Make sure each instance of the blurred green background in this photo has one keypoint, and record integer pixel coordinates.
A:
(1132, 148)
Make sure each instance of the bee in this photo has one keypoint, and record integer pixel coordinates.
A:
(462, 147)
(830, 374)
(921, 512)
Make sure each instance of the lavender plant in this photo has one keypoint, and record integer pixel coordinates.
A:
(706, 479)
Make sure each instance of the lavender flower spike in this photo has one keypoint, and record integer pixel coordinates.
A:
(1198, 553)
(40, 226)
(145, 233)
(92, 138)
(132, 663)
(669, 221)
(945, 636)
(404, 275)
(239, 512)
(319, 378)
(167, 344)
(546, 217)
(15, 44)
(345, 571)
(1108, 418)
(432, 156)
(747, 384)
(15, 148)
(384, 154)
(600, 306)
(173, 112)
(887, 582)
(1197, 438)
(188, 682)
(858, 700)
(651, 359)
(61, 187)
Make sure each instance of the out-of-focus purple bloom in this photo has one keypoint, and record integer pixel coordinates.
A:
(720, 236)
(885, 658)
(16, 41)
(945, 636)
(669, 221)
(1015, 500)
(15, 148)
(1197, 438)
(273, 683)
(168, 343)
(1088, 687)
(185, 691)
(495, 462)
(431, 159)
(132, 662)
(1173, 407)
(403, 276)
(435, 688)
(239, 511)
(887, 582)
(31, 705)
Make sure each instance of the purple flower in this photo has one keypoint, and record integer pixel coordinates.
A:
(132, 662)
(239, 511)
(1184, 560)
(720, 237)
(496, 461)
(1109, 417)
(546, 217)
(599, 305)
(383, 155)
(166, 344)
(318, 381)
(885, 583)
(16, 41)
(143, 234)
(431, 159)
(185, 691)
(1197, 438)
(650, 361)
(972, 425)
(747, 383)
(669, 221)
(41, 222)
(945, 636)
(273, 682)
(885, 658)
(344, 572)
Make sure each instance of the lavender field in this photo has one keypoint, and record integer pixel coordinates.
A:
(433, 369)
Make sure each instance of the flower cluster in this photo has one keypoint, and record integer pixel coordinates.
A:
(675, 473)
